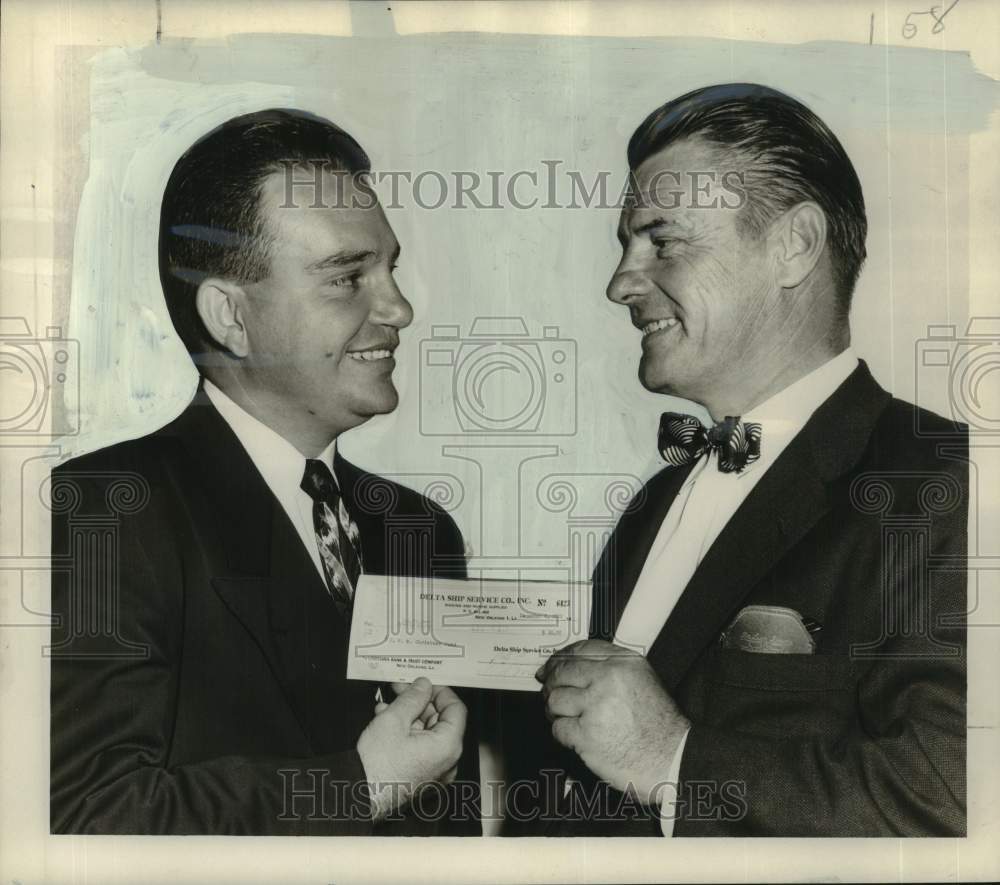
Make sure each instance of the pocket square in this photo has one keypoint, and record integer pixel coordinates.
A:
(770, 629)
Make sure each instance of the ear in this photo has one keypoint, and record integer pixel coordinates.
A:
(800, 236)
(220, 306)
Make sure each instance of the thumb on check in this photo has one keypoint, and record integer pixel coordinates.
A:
(411, 703)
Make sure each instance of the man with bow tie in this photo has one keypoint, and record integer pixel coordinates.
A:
(778, 642)
(199, 685)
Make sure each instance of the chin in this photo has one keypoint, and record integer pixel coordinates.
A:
(381, 403)
(653, 377)
(661, 382)
(657, 386)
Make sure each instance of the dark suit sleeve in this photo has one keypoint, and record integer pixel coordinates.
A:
(117, 632)
(899, 769)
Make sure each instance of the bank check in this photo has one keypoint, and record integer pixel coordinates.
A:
(478, 633)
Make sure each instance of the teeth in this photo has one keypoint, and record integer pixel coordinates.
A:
(367, 355)
(659, 324)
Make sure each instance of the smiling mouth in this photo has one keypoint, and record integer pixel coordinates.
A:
(368, 356)
(659, 325)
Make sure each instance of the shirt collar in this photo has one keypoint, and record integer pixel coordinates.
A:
(784, 414)
(794, 405)
(279, 462)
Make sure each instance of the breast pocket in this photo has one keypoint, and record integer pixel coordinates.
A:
(780, 695)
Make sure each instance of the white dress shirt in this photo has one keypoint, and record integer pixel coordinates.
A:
(281, 465)
(705, 503)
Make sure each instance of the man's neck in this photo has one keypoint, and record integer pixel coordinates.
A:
(309, 440)
(759, 384)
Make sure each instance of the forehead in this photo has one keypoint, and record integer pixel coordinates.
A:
(682, 185)
(685, 157)
(318, 218)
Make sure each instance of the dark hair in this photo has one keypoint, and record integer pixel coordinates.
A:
(792, 156)
(210, 219)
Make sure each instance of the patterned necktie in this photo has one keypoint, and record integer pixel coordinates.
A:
(336, 534)
(683, 439)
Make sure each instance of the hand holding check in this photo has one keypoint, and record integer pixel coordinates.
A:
(608, 705)
(412, 741)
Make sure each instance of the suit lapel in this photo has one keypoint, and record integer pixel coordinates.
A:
(787, 502)
(268, 577)
(781, 509)
(236, 493)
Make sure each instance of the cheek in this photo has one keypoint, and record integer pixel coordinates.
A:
(731, 290)
(270, 332)
(700, 282)
(273, 317)
(333, 331)
(718, 279)
(348, 320)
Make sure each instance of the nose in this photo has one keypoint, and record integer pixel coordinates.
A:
(391, 308)
(627, 284)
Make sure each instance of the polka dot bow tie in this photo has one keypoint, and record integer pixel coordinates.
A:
(683, 439)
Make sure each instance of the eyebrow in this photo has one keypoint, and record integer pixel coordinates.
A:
(344, 258)
(655, 223)
(659, 221)
(347, 258)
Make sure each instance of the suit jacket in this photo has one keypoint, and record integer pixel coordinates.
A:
(198, 662)
(860, 525)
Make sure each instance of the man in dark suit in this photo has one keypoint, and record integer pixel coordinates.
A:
(778, 633)
(204, 574)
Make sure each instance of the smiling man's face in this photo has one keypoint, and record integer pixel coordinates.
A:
(700, 291)
(323, 325)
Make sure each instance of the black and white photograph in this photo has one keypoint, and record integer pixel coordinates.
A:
(519, 427)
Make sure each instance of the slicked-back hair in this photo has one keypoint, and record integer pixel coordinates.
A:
(211, 224)
(788, 156)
